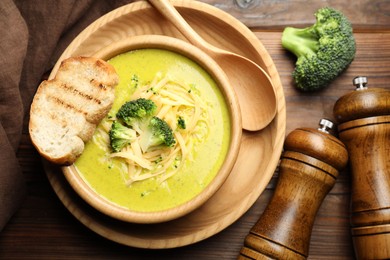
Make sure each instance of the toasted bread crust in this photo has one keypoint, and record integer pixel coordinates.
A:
(66, 109)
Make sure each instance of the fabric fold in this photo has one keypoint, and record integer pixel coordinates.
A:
(13, 50)
(33, 36)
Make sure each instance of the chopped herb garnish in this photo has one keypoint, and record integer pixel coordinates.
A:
(181, 123)
(134, 81)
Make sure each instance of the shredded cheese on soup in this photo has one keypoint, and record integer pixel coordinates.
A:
(174, 101)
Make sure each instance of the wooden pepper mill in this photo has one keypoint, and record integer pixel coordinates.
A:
(364, 117)
(309, 167)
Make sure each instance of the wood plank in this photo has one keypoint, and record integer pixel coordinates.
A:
(306, 109)
(275, 15)
(44, 229)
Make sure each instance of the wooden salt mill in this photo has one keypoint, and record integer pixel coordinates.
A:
(364, 117)
(309, 166)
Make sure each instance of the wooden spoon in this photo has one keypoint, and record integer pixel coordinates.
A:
(251, 83)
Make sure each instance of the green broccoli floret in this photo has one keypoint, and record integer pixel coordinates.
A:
(151, 130)
(137, 112)
(157, 133)
(120, 136)
(324, 50)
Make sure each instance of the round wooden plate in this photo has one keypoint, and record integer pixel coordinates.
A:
(259, 153)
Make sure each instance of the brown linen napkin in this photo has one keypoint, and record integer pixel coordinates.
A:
(13, 47)
(33, 35)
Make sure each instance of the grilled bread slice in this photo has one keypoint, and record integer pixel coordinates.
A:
(66, 109)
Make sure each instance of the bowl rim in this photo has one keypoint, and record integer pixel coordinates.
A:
(109, 208)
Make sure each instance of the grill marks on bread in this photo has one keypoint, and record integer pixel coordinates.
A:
(61, 102)
(67, 108)
(76, 97)
(84, 95)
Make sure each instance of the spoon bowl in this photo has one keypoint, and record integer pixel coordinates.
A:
(251, 83)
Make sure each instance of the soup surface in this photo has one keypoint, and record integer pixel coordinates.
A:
(107, 175)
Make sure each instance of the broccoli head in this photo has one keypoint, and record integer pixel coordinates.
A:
(120, 136)
(157, 133)
(150, 130)
(136, 113)
(324, 50)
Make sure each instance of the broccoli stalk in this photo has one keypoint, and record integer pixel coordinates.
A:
(301, 42)
(120, 136)
(324, 50)
(157, 133)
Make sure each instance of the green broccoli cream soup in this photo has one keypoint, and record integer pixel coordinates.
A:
(144, 176)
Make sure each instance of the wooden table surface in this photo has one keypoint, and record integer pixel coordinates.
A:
(44, 229)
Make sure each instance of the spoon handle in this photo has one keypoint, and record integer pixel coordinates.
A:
(166, 9)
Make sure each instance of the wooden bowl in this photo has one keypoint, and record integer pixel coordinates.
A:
(259, 152)
(112, 209)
